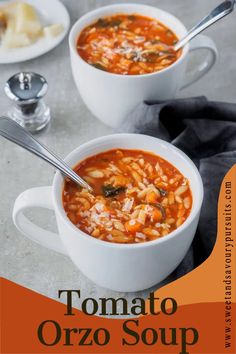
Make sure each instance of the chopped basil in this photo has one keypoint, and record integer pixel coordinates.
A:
(131, 18)
(111, 191)
(162, 210)
(102, 23)
(115, 23)
(99, 66)
(163, 193)
(151, 57)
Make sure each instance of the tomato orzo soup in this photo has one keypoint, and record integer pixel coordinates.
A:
(137, 197)
(128, 45)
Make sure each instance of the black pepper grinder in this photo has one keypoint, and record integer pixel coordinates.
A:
(26, 90)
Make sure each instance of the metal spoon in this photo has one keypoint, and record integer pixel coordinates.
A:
(18, 135)
(220, 11)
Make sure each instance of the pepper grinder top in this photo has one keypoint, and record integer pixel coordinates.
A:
(26, 90)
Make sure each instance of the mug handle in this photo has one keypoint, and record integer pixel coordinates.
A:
(36, 198)
(201, 42)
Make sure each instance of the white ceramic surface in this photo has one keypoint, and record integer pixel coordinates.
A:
(119, 267)
(50, 12)
(111, 97)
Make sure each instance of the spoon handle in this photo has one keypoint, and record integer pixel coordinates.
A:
(18, 135)
(220, 11)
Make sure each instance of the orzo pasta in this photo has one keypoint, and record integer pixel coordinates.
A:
(128, 45)
(138, 197)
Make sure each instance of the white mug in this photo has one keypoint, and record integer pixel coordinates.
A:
(120, 267)
(111, 97)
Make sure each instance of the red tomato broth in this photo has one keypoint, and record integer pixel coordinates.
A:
(149, 197)
(128, 45)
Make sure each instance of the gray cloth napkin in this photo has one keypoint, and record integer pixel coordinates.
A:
(206, 132)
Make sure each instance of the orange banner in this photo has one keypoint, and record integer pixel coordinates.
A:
(203, 322)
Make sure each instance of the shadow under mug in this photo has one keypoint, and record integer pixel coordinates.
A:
(120, 267)
(111, 97)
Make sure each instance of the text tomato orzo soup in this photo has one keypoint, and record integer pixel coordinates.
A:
(128, 45)
(137, 197)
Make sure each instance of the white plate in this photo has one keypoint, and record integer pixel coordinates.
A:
(50, 12)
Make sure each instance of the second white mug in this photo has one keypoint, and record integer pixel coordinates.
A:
(111, 97)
